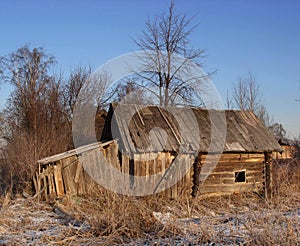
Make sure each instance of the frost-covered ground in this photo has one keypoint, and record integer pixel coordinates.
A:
(24, 222)
(238, 229)
(28, 222)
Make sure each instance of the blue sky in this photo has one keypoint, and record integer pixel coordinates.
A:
(259, 36)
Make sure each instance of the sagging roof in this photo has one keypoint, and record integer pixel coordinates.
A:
(154, 128)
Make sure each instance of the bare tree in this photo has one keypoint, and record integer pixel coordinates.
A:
(168, 36)
(78, 77)
(86, 96)
(229, 101)
(247, 96)
(35, 122)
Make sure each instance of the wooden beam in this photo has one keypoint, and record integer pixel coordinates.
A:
(268, 175)
(140, 116)
(168, 123)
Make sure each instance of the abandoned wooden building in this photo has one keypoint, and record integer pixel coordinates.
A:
(169, 139)
(288, 150)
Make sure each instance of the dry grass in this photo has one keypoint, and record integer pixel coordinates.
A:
(108, 218)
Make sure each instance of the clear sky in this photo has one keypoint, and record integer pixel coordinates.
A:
(260, 36)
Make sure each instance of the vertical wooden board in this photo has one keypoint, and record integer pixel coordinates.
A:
(78, 172)
(168, 164)
(38, 179)
(114, 156)
(58, 180)
(179, 183)
(177, 173)
(125, 170)
(88, 182)
(96, 160)
(69, 170)
(125, 164)
(72, 172)
(108, 155)
(54, 194)
(143, 169)
(190, 174)
(268, 175)
(45, 184)
(162, 182)
(149, 167)
(163, 168)
(174, 191)
(80, 175)
(185, 184)
(51, 182)
(152, 166)
(163, 171)
(156, 169)
(110, 166)
(79, 180)
(173, 187)
(158, 166)
(141, 173)
(85, 161)
(137, 166)
(65, 176)
(103, 151)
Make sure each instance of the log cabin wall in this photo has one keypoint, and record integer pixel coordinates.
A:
(234, 173)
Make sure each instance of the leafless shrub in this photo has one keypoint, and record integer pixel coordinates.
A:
(34, 122)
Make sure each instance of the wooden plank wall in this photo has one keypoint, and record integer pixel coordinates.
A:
(221, 179)
(67, 176)
(161, 162)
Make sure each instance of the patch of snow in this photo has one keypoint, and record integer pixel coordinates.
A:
(162, 218)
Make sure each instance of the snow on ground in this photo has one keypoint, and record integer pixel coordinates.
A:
(26, 222)
(238, 229)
